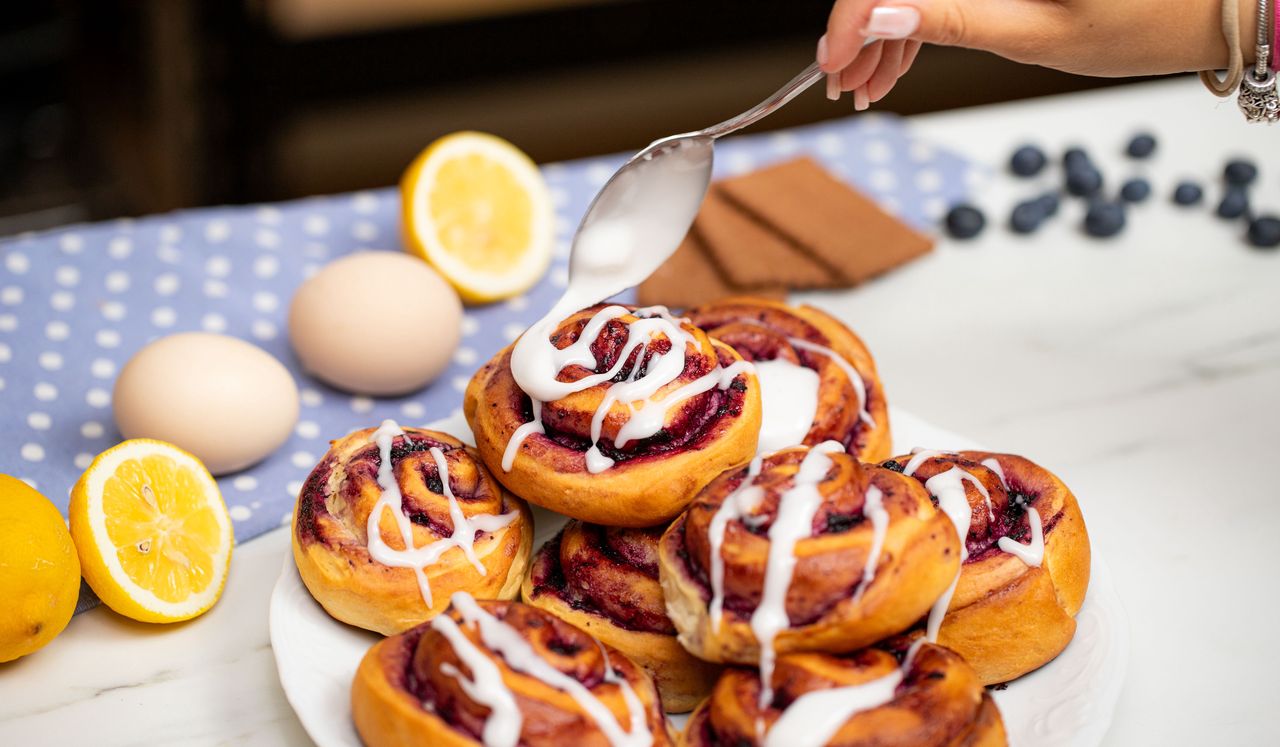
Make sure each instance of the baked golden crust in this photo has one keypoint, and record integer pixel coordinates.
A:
(939, 703)
(408, 688)
(1008, 618)
(824, 603)
(761, 329)
(330, 531)
(605, 581)
(651, 480)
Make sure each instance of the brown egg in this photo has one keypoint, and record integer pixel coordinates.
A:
(380, 323)
(222, 399)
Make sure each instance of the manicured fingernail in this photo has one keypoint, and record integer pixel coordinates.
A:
(893, 23)
(860, 99)
(822, 50)
(833, 86)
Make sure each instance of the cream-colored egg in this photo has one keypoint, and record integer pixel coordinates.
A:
(380, 323)
(226, 401)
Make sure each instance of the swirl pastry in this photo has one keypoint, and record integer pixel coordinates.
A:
(1025, 559)
(501, 674)
(930, 698)
(614, 416)
(391, 522)
(803, 550)
(818, 381)
(605, 581)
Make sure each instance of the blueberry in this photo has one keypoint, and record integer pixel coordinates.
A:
(1135, 190)
(1026, 217)
(1048, 203)
(1027, 161)
(1264, 232)
(1083, 181)
(1235, 203)
(1240, 172)
(1104, 219)
(1074, 157)
(1142, 145)
(1188, 193)
(965, 221)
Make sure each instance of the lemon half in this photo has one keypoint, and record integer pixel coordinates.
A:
(152, 531)
(477, 209)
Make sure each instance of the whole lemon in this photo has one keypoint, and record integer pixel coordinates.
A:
(39, 570)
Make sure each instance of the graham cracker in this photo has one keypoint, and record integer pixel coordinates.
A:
(749, 253)
(690, 278)
(834, 223)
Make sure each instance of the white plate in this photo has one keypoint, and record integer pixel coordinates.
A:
(1067, 703)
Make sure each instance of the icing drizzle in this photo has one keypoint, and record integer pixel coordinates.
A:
(949, 488)
(812, 719)
(536, 364)
(391, 499)
(793, 522)
(503, 724)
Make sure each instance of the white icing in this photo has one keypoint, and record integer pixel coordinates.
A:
(949, 487)
(992, 464)
(794, 521)
(873, 509)
(789, 403)
(855, 379)
(741, 502)
(506, 641)
(391, 499)
(1031, 553)
(502, 725)
(815, 717)
(523, 432)
(536, 363)
(918, 457)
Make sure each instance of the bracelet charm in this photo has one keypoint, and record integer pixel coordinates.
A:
(1258, 99)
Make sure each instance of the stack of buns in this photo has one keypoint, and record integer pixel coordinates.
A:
(817, 593)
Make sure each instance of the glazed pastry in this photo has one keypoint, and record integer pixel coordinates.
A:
(391, 522)
(1026, 559)
(605, 581)
(926, 696)
(818, 381)
(616, 416)
(498, 674)
(803, 550)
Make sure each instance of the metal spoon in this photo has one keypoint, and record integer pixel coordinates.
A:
(656, 194)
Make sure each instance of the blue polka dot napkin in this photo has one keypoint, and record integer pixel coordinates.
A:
(75, 303)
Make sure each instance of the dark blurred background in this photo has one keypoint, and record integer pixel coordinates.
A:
(125, 107)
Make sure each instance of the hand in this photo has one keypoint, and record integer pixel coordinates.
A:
(1088, 37)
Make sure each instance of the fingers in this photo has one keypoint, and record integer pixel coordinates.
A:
(844, 37)
(886, 73)
(874, 72)
(862, 67)
(909, 56)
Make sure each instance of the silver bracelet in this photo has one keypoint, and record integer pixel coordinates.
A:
(1258, 99)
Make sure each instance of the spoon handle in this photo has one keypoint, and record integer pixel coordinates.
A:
(793, 88)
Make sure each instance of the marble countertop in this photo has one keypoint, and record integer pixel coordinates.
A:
(1145, 370)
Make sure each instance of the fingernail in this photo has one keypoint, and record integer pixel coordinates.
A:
(893, 23)
(822, 50)
(860, 99)
(833, 86)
